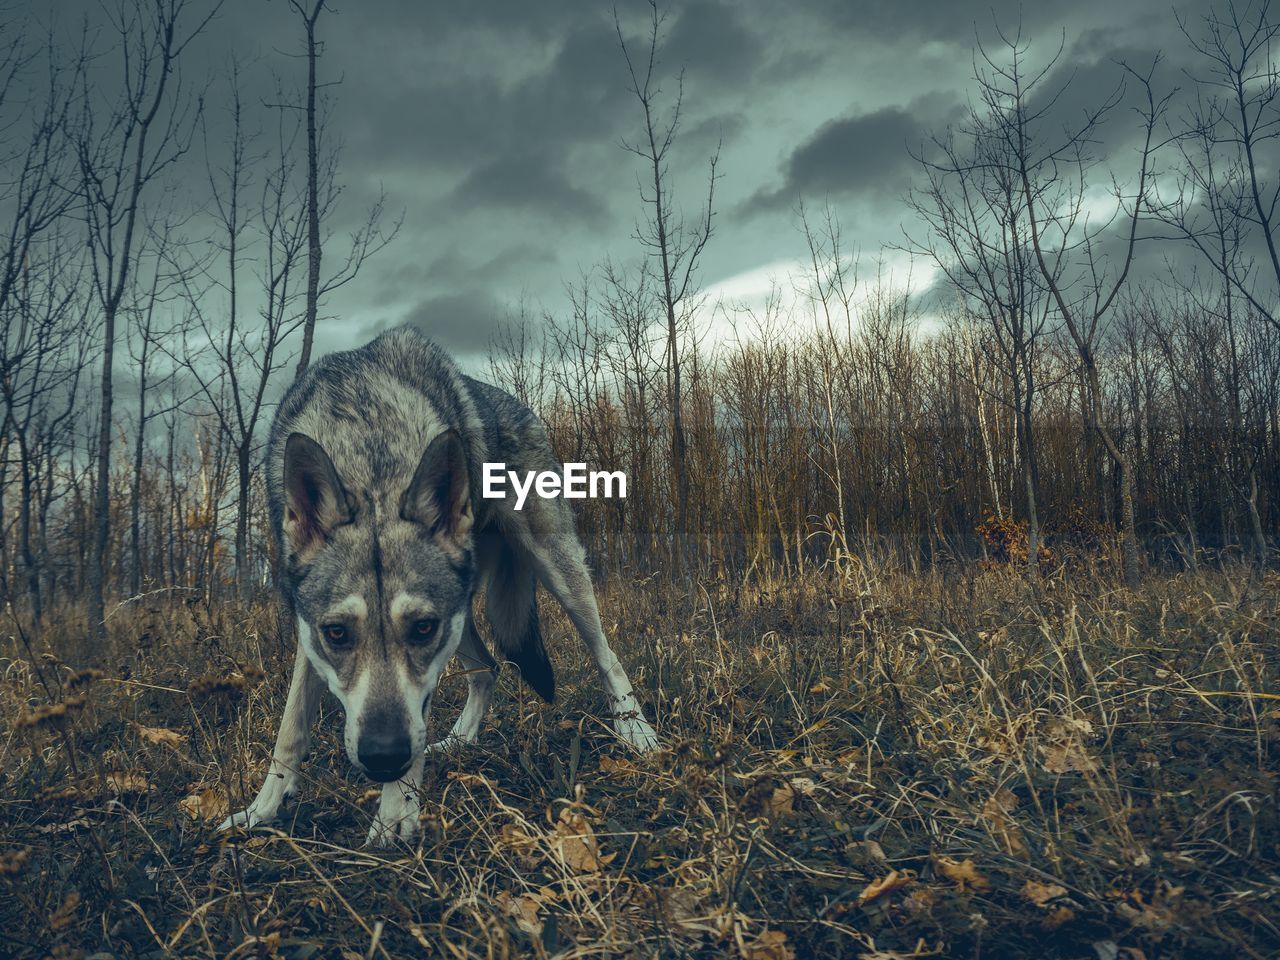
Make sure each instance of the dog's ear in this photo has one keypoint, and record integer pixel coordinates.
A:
(316, 503)
(439, 496)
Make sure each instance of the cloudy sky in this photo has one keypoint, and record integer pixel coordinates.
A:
(495, 127)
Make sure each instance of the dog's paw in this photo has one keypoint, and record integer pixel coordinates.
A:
(634, 730)
(382, 835)
(249, 818)
(449, 743)
(265, 806)
(397, 818)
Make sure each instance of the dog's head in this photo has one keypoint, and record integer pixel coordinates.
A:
(382, 601)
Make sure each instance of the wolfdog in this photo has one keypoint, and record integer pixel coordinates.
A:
(373, 467)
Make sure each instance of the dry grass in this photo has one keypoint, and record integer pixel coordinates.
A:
(885, 766)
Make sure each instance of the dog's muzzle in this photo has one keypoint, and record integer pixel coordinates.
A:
(385, 756)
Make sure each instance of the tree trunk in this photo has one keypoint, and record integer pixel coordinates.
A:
(677, 422)
(5, 592)
(1131, 576)
(30, 565)
(313, 201)
(1032, 481)
(135, 496)
(102, 488)
(1027, 450)
(243, 584)
(171, 514)
(1255, 519)
(1128, 525)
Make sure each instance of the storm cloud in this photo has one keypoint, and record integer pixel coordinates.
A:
(860, 154)
(497, 129)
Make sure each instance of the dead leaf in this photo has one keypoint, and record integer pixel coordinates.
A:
(995, 812)
(865, 853)
(618, 767)
(804, 786)
(963, 873)
(684, 910)
(523, 910)
(124, 782)
(922, 949)
(161, 735)
(919, 901)
(1067, 728)
(770, 945)
(206, 804)
(1003, 800)
(1058, 917)
(1041, 893)
(470, 779)
(1155, 916)
(1070, 757)
(65, 915)
(878, 888)
(68, 827)
(781, 802)
(576, 844)
(516, 838)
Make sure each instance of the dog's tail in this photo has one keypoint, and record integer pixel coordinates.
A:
(511, 606)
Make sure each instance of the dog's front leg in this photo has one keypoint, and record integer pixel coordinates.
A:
(398, 808)
(305, 690)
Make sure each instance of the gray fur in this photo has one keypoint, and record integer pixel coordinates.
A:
(375, 559)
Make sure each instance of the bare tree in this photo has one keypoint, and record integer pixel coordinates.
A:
(980, 238)
(830, 289)
(1052, 172)
(636, 368)
(1223, 203)
(516, 361)
(322, 192)
(37, 271)
(673, 243)
(308, 12)
(1226, 192)
(153, 325)
(145, 131)
(237, 358)
(41, 361)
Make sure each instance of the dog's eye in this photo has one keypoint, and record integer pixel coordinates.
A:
(336, 634)
(424, 630)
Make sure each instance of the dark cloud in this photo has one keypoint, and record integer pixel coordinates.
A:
(463, 322)
(863, 154)
(425, 121)
(712, 41)
(460, 265)
(704, 138)
(949, 20)
(528, 184)
(495, 126)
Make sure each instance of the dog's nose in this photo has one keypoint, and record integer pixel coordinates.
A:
(384, 756)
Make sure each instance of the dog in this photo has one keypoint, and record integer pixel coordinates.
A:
(373, 465)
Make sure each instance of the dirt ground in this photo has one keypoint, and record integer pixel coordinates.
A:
(879, 765)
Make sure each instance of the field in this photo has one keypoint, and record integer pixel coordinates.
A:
(877, 765)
